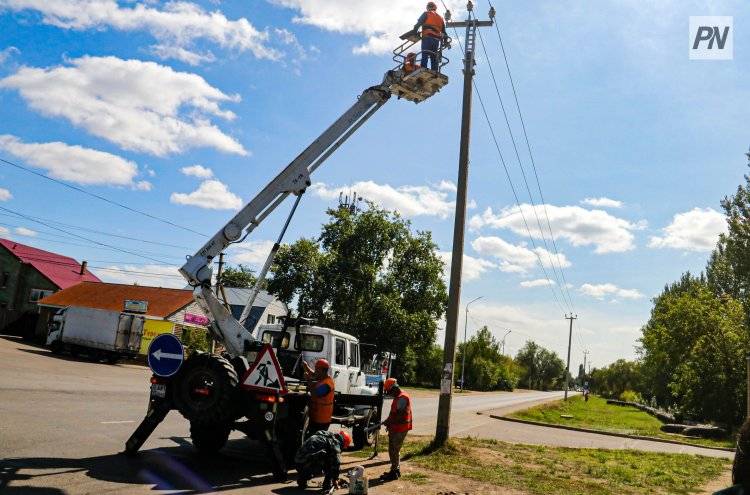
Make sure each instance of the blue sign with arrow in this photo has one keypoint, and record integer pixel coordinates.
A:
(165, 355)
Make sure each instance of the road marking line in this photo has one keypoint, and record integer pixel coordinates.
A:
(116, 422)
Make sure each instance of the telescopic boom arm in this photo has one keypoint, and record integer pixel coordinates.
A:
(294, 179)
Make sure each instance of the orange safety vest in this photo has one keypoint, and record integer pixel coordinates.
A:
(410, 65)
(398, 423)
(433, 25)
(321, 407)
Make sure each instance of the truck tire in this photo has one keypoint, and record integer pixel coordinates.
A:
(56, 347)
(208, 439)
(361, 438)
(205, 388)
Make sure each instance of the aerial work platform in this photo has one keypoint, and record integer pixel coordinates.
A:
(411, 81)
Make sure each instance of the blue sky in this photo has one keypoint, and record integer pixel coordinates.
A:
(634, 143)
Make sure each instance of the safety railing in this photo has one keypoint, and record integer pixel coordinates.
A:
(401, 52)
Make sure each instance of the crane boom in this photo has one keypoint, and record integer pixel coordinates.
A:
(294, 179)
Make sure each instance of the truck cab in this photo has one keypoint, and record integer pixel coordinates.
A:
(310, 343)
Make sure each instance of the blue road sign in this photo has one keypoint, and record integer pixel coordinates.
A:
(165, 355)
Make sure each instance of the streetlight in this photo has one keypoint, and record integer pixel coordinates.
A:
(504, 340)
(463, 354)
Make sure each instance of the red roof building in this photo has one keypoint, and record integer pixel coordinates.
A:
(28, 274)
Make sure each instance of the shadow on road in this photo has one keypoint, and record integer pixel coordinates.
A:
(242, 464)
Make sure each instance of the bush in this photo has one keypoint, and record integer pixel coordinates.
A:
(630, 396)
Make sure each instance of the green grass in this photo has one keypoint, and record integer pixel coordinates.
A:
(416, 478)
(564, 471)
(596, 414)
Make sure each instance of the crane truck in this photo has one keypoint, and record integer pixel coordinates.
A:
(258, 377)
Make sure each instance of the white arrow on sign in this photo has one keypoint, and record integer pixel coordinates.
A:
(158, 354)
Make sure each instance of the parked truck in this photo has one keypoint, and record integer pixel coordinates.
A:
(97, 333)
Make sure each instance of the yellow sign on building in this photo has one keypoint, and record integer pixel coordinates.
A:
(152, 328)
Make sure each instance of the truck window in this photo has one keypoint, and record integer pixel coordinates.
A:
(278, 340)
(340, 357)
(353, 355)
(309, 342)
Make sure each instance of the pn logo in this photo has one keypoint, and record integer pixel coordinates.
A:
(711, 38)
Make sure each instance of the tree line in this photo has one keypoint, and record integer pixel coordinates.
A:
(692, 352)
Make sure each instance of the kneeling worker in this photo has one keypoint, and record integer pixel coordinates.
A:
(321, 389)
(320, 454)
(398, 424)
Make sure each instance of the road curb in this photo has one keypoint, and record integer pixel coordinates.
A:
(608, 433)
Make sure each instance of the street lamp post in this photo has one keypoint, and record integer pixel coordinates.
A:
(463, 354)
(506, 334)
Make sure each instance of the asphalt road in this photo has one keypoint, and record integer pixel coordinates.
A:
(64, 421)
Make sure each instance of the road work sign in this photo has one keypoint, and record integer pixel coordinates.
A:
(265, 374)
(165, 355)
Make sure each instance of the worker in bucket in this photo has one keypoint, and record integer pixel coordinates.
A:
(321, 389)
(398, 423)
(319, 454)
(410, 63)
(433, 33)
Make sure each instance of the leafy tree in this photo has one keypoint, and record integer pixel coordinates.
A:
(369, 275)
(541, 369)
(620, 376)
(486, 367)
(240, 277)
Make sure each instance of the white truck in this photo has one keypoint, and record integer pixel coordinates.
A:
(97, 333)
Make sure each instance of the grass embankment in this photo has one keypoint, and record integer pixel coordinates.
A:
(596, 414)
(564, 471)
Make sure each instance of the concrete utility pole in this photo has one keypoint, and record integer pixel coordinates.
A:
(463, 354)
(454, 293)
(585, 355)
(570, 341)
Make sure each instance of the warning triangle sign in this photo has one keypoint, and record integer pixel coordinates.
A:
(265, 374)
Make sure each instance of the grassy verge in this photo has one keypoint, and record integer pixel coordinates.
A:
(596, 414)
(563, 471)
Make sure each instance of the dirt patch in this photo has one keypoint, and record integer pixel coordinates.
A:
(723, 481)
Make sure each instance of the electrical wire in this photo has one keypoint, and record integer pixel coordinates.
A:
(101, 198)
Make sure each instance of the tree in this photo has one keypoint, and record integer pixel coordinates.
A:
(240, 277)
(618, 377)
(369, 275)
(486, 367)
(540, 369)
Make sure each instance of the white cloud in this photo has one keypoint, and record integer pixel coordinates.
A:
(600, 291)
(602, 202)
(75, 163)
(25, 232)
(149, 275)
(198, 171)
(380, 24)
(143, 185)
(471, 268)
(140, 106)
(5, 195)
(516, 258)
(540, 282)
(211, 194)
(253, 253)
(579, 226)
(176, 26)
(8, 52)
(410, 201)
(694, 230)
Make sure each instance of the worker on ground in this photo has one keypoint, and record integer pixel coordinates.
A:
(321, 389)
(320, 454)
(410, 63)
(398, 424)
(433, 32)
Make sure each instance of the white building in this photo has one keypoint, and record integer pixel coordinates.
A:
(266, 307)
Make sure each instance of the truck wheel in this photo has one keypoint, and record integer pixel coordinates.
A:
(205, 389)
(209, 439)
(361, 438)
(56, 347)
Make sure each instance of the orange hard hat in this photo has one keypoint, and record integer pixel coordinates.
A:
(431, 6)
(389, 384)
(322, 364)
(346, 439)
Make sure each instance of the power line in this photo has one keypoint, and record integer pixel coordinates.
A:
(101, 198)
(531, 155)
(523, 173)
(78, 236)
